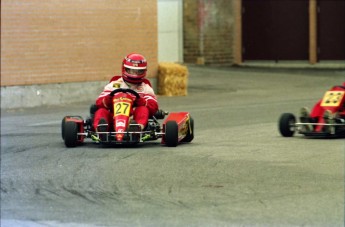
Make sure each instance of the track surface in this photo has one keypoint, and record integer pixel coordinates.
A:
(238, 171)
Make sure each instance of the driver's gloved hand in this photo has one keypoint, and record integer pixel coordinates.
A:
(108, 101)
(140, 102)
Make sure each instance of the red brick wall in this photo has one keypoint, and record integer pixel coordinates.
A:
(208, 31)
(61, 41)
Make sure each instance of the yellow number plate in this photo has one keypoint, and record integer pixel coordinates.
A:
(332, 98)
(122, 108)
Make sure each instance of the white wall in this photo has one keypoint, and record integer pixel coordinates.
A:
(170, 32)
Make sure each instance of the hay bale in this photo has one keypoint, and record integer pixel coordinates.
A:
(172, 79)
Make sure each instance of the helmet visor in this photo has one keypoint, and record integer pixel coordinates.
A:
(135, 71)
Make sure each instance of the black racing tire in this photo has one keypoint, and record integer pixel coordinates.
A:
(287, 124)
(71, 133)
(63, 128)
(190, 134)
(63, 124)
(171, 134)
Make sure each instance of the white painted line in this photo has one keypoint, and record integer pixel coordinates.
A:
(47, 123)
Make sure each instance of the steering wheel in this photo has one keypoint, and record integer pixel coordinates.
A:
(125, 90)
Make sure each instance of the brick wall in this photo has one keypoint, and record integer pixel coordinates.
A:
(61, 41)
(208, 31)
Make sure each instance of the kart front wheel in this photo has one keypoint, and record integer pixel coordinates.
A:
(70, 133)
(63, 122)
(171, 134)
(287, 124)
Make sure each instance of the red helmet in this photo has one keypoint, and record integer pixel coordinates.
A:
(134, 67)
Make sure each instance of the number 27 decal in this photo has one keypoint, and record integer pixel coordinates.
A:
(122, 108)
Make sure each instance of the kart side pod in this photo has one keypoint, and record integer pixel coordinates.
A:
(178, 127)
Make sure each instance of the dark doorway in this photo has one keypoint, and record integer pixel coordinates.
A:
(331, 29)
(275, 30)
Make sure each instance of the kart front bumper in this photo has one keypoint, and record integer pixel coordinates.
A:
(328, 129)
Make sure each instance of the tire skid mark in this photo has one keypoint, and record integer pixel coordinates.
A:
(20, 149)
(42, 192)
(8, 187)
(128, 156)
(79, 194)
(161, 201)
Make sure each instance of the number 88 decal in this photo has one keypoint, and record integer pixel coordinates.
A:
(332, 98)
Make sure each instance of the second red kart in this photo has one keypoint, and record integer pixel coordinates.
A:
(330, 124)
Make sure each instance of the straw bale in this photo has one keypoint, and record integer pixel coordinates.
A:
(172, 79)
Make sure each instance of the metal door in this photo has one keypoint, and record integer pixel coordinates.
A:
(275, 30)
(331, 29)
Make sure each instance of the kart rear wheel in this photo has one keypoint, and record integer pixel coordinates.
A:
(190, 134)
(63, 128)
(171, 134)
(287, 124)
(70, 133)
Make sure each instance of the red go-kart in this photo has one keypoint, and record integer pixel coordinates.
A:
(327, 118)
(178, 127)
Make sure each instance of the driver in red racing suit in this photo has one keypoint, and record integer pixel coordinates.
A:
(134, 67)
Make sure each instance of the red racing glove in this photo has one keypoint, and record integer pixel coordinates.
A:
(140, 102)
(107, 101)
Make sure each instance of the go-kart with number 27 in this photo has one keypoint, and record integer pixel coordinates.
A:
(177, 127)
